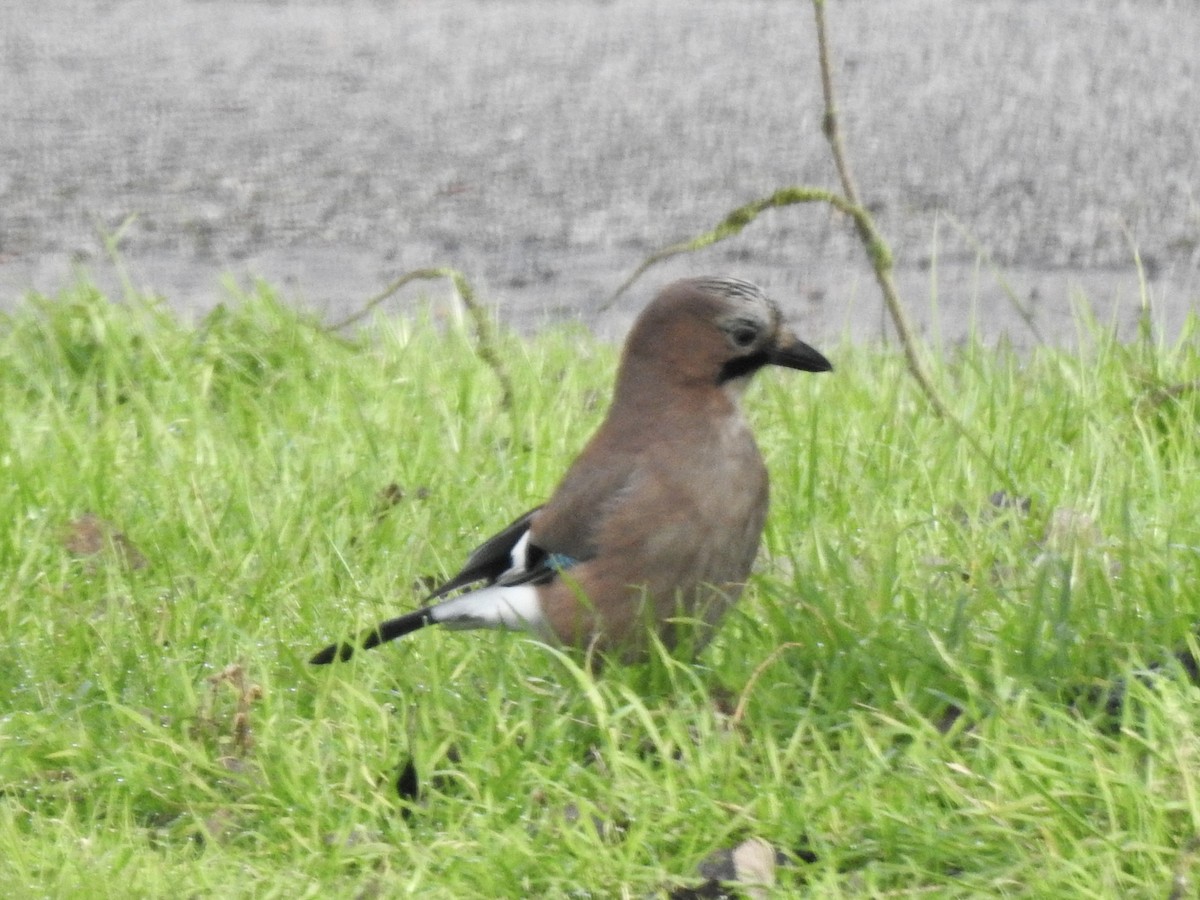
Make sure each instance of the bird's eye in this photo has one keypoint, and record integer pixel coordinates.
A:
(743, 336)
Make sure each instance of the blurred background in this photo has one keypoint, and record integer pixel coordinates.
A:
(1016, 153)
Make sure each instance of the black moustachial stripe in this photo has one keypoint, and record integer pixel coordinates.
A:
(742, 365)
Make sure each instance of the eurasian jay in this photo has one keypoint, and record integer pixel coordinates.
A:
(655, 525)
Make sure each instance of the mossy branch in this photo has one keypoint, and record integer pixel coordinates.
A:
(485, 335)
(733, 223)
(873, 242)
(881, 257)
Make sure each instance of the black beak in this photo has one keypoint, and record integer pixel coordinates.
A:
(793, 353)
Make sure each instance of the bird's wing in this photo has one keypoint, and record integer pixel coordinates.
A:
(509, 563)
(530, 551)
(593, 488)
(508, 558)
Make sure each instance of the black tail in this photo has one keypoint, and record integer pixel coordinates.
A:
(380, 634)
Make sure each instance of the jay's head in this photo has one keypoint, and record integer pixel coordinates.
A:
(713, 332)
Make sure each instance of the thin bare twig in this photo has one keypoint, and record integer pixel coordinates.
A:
(485, 336)
(1022, 308)
(390, 290)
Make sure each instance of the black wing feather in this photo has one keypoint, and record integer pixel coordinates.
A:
(489, 560)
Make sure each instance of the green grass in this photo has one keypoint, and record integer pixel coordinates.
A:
(244, 459)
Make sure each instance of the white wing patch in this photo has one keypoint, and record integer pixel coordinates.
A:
(511, 607)
(519, 556)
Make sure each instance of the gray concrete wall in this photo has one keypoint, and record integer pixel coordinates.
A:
(546, 147)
